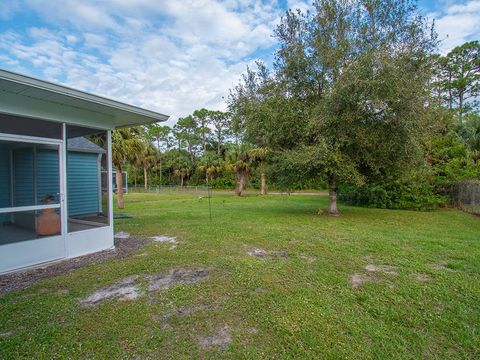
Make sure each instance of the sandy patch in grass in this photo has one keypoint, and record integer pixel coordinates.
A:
(423, 277)
(177, 276)
(221, 339)
(442, 267)
(125, 289)
(375, 273)
(128, 289)
(141, 254)
(258, 291)
(386, 269)
(188, 310)
(265, 254)
(357, 280)
(6, 334)
(164, 239)
(308, 258)
(122, 235)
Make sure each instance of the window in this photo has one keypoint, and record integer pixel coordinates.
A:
(87, 169)
(29, 191)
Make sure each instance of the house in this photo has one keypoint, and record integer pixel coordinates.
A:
(56, 170)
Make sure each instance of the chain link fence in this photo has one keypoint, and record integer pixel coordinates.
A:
(169, 189)
(467, 196)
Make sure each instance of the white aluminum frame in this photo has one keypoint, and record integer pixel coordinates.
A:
(26, 253)
(44, 141)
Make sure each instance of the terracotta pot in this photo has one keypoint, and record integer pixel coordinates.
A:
(48, 222)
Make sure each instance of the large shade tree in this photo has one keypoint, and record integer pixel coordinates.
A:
(352, 78)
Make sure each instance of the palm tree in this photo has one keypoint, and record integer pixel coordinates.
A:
(124, 148)
(147, 157)
(259, 156)
(239, 161)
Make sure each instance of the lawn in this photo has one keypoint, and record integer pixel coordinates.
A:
(278, 281)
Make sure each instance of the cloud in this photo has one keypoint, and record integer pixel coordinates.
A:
(173, 57)
(457, 24)
(169, 56)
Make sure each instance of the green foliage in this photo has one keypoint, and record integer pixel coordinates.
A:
(346, 98)
(226, 180)
(396, 194)
(470, 131)
(458, 82)
(449, 160)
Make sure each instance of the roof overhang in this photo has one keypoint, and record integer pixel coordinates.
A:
(30, 97)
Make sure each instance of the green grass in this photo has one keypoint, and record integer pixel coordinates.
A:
(302, 306)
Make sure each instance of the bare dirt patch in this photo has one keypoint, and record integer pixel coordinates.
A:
(121, 235)
(423, 277)
(6, 334)
(386, 269)
(258, 291)
(358, 280)
(308, 258)
(177, 276)
(20, 280)
(189, 310)
(125, 289)
(375, 273)
(128, 288)
(221, 339)
(442, 267)
(265, 254)
(164, 239)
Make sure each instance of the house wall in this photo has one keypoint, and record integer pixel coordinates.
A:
(82, 179)
(23, 191)
(4, 179)
(82, 183)
(47, 177)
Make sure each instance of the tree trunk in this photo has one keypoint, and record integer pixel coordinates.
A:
(219, 144)
(332, 196)
(181, 183)
(160, 164)
(460, 106)
(119, 182)
(240, 184)
(450, 96)
(145, 176)
(264, 184)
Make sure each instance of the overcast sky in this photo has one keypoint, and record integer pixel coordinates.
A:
(169, 56)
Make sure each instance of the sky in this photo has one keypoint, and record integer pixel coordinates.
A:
(170, 56)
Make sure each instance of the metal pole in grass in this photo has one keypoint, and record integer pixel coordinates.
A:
(209, 203)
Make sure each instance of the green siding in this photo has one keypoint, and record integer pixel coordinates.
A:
(4, 179)
(23, 194)
(82, 179)
(47, 174)
(82, 183)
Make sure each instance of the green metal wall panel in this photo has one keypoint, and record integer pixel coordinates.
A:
(82, 183)
(82, 179)
(23, 190)
(48, 180)
(4, 179)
